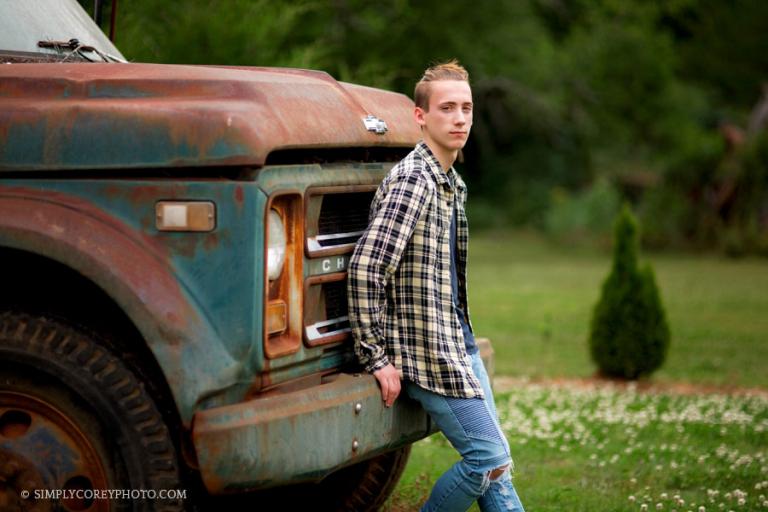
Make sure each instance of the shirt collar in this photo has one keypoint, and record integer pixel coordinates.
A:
(450, 176)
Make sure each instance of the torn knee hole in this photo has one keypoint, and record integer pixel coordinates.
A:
(496, 473)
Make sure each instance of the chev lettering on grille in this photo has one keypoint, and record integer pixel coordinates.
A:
(328, 265)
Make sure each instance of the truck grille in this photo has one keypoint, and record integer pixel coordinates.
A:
(336, 217)
(326, 312)
(343, 218)
(335, 295)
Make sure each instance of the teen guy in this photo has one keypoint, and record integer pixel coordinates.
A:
(408, 299)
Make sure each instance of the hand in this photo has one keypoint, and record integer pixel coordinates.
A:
(389, 380)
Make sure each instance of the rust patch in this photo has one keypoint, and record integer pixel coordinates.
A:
(149, 194)
(46, 443)
(211, 240)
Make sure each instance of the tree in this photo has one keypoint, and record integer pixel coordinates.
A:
(629, 336)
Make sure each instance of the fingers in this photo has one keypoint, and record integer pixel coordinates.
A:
(393, 390)
(385, 391)
(389, 380)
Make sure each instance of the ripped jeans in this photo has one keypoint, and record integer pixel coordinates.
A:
(472, 427)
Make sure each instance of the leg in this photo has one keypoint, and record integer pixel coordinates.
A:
(501, 494)
(472, 429)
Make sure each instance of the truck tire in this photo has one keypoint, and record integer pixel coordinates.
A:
(74, 418)
(362, 487)
(365, 486)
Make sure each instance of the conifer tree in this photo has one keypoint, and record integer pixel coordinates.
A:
(629, 335)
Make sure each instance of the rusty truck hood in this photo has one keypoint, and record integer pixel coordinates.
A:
(109, 116)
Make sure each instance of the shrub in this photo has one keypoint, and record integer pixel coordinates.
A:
(629, 335)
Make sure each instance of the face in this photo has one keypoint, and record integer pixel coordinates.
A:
(446, 125)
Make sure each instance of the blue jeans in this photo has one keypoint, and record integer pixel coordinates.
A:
(472, 427)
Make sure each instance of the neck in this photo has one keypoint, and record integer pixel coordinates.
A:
(445, 157)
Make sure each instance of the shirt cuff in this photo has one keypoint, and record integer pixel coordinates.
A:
(378, 364)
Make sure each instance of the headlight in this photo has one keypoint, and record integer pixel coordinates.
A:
(276, 247)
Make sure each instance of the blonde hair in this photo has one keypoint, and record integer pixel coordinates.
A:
(450, 70)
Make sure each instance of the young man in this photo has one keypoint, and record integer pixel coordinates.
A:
(408, 299)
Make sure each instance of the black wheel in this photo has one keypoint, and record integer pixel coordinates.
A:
(74, 418)
(364, 487)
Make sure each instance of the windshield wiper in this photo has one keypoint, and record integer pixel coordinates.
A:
(75, 47)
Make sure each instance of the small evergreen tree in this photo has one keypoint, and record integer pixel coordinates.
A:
(629, 337)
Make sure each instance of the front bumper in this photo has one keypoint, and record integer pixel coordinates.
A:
(302, 435)
(305, 435)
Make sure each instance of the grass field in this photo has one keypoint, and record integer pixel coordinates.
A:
(589, 446)
(535, 302)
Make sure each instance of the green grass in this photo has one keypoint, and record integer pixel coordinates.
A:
(608, 449)
(592, 448)
(534, 300)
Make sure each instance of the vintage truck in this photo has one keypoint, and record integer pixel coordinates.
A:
(173, 246)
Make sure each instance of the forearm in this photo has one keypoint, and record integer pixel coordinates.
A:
(366, 297)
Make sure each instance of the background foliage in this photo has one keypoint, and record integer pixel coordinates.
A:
(652, 101)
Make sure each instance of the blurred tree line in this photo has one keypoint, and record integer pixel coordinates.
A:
(580, 104)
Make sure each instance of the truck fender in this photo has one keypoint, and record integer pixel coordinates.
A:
(135, 271)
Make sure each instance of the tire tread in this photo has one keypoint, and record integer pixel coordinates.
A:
(70, 350)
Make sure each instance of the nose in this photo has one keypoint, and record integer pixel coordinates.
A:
(461, 118)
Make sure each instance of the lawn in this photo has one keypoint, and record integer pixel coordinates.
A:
(589, 446)
(598, 448)
(534, 300)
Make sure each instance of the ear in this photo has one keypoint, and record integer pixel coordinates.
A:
(418, 115)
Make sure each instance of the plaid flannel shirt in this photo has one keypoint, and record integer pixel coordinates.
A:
(399, 281)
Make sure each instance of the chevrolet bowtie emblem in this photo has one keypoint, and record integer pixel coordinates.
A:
(374, 124)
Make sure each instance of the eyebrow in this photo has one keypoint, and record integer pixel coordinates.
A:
(449, 103)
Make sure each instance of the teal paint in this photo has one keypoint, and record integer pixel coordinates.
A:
(112, 91)
(23, 145)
